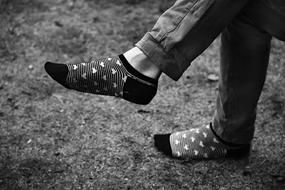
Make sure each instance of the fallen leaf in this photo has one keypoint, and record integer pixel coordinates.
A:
(213, 77)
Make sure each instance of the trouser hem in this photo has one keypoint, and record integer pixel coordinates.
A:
(166, 62)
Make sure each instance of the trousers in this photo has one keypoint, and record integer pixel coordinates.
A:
(187, 28)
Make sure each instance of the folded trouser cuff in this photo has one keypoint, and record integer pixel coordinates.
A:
(167, 62)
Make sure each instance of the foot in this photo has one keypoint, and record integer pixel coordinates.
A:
(200, 143)
(112, 76)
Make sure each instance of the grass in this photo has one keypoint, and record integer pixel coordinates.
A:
(52, 138)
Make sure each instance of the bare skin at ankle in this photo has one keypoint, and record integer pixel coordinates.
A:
(142, 63)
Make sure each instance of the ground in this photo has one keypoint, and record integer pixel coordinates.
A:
(54, 138)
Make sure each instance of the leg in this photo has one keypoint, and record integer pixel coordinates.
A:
(181, 34)
(186, 30)
(244, 59)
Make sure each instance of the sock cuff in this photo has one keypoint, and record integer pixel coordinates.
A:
(134, 72)
(224, 142)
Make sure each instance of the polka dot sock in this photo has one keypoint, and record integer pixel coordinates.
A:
(200, 143)
(112, 76)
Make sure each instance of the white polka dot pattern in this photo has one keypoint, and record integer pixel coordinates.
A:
(105, 76)
(197, 144)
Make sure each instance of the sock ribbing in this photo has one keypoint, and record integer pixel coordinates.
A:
(136, 73)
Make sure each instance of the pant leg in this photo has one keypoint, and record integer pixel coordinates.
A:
(185, 30)
(268, 15)
(244, 60)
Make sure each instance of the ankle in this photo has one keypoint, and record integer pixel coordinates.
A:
(230, 144)
(142, 63)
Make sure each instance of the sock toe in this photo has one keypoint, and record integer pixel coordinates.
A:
(162, 143)
(58, 72)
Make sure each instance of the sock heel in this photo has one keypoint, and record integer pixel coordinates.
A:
(239, 153)
(138, 92)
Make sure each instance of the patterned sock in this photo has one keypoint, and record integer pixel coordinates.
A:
(112, 76)
(200, 143)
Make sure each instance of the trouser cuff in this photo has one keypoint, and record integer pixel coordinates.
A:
(166, 61)
(231, 133)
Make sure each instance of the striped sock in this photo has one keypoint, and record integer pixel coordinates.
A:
(112, 76)
(199, 143)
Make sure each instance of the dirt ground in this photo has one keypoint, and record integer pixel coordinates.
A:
(53, 138)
